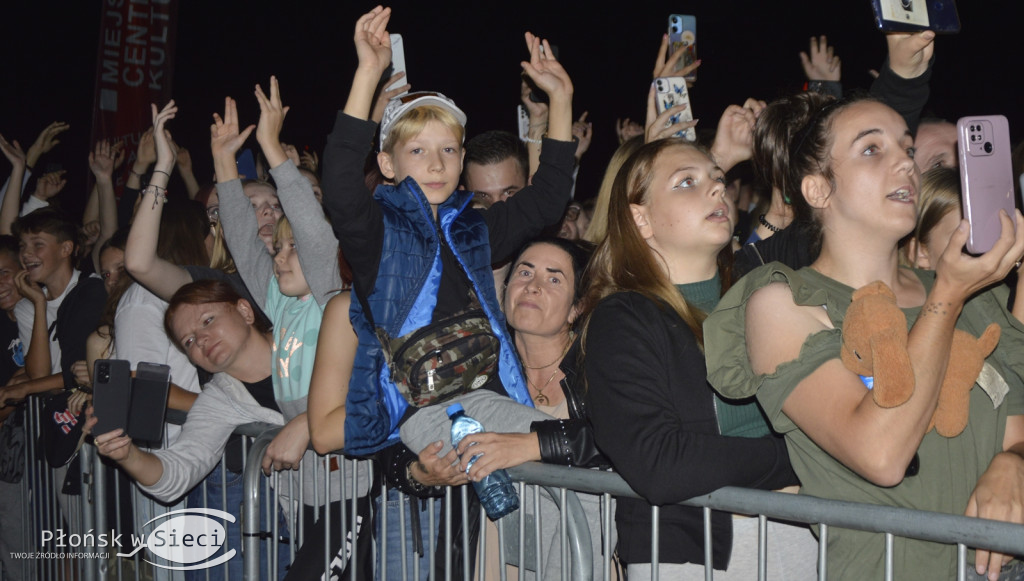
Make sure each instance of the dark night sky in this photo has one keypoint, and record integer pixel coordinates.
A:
(471, 52)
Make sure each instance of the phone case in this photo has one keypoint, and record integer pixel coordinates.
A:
(112, 389)
(246, 164)
(916, 15)
(149, 403)
(398, 60)
(682, 35)
(524, 122)
(986, 177)
(670, 92)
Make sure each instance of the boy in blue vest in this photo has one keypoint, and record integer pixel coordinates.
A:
(420, 255)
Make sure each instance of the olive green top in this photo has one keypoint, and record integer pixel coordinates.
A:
(949, 467)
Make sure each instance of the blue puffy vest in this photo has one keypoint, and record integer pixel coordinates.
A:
(403, 300)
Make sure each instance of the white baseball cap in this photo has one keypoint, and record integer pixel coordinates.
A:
(401, 105)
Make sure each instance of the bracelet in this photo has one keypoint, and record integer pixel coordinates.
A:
(158, 196)
(416, 485)
(163, 172)
(528, 140)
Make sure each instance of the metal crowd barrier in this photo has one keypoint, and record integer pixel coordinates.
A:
(537, 483)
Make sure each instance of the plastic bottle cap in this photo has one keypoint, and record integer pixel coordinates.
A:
(454, 409)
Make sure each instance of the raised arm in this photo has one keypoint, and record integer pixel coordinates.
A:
(46, 141)
(317, 247)
(140, 258)
(12, 199)
(903, 81)
(877, 443)
(237, 218)
(184, 164)
(37, 358)
(102, 160)
(822, 67)
(373, 47)
(734, 138)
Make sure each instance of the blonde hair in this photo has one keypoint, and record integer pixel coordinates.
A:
(282, 231)
(412, 123)
(939, 195)
(598, 227)
(220, 256)
(624, 261)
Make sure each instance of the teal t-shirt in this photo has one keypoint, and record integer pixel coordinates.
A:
(742, 418)
(296, 329)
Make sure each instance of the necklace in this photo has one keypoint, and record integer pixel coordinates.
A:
(772, 227)
(540, 398)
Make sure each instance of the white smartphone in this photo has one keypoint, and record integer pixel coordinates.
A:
(523, 119)
(398, 60)
(671, 92)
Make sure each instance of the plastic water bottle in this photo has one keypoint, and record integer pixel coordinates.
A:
(496, 492)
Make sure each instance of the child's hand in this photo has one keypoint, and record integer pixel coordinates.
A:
(545, 70)
(225, 140)
(272, 114)
(373, 43)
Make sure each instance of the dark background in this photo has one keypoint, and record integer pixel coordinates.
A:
(471, 51)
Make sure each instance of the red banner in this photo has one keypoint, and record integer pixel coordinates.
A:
(135, 67)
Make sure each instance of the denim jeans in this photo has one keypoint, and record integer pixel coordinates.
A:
(395, 533)
(216, 490)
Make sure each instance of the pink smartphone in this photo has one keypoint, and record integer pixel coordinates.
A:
(986, 177)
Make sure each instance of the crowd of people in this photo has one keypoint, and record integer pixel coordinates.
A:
(682, 325)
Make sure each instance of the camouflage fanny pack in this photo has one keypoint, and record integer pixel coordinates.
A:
(443, 360)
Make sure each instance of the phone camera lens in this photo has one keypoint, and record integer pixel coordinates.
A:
(907, 4)
(988, 147)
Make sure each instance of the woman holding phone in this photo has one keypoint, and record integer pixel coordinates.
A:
(850, 174)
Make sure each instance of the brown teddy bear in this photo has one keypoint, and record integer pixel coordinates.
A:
(875, 344)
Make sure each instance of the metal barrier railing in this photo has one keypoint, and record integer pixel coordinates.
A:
(537, 483)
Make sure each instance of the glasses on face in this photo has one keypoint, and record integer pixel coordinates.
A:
(213, 213)
(572, 213)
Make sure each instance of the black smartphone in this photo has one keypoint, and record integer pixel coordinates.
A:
(112, 392)
(916, 15)
(149, 403)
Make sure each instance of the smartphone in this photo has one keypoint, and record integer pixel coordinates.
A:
(670, 92)
(149, 403)
(111, 394)
(246, 164)
(986, 177)
(397, 61)
(916, 15)
(682, 35)
(523, 122)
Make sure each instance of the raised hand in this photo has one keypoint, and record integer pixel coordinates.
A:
(538, 112)
(821, 64)
(145, 154)
(50, 184)
(102, 159)
(12, 151)
(272, 114)
(310, 161)
(373, 43)
(964, 274)
(386, 95)
(91, 232)
(166, 150)
(184, 160)
(544, 69)
(46, 141)
(583, 132)
(226, 140)
(734, 138)
(627, 129)
(909, 53)
(665, 66)
(660, 126)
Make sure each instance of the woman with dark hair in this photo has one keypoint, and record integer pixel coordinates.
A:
(850, 174)
(219, 331)
(663, 265)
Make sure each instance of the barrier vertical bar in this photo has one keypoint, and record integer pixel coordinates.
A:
(563, 534)
(522, 532)
(655, 541)
(275, 524)
(403, 530)
(432, 538)
(709, 569)
(448, 534)
(961, 562)
(465, 535)
(384, 495)
(536, 531)
(888, 556)
(606, 536)
(822, 552)
(762, 547)
(99, 488)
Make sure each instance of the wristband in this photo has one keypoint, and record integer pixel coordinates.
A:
(163, 172)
